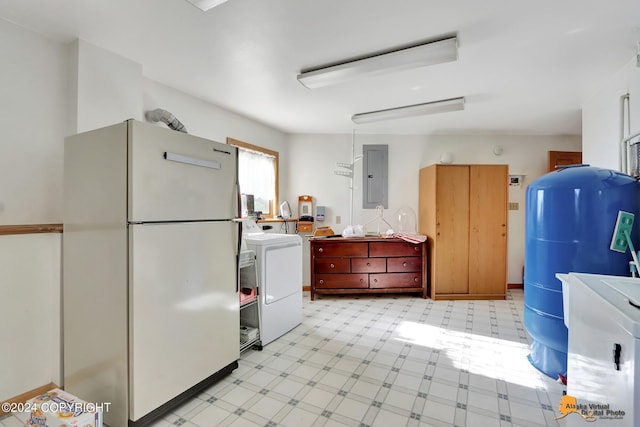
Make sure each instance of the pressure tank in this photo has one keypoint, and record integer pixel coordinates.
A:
(570, 217)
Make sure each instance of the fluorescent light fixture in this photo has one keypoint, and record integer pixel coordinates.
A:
(205, 5)
(415, 56)
(453, 104)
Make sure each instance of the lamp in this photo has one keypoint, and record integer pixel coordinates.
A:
(435, 52)
(453, 104)
(205, 5)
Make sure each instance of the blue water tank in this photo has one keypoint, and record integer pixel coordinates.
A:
(570, 217)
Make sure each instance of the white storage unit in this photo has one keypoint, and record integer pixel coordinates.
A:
(604, 326)
(249, 304)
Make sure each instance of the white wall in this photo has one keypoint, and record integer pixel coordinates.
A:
(212, 122)
(29, 312)
(107, 87)
(601, 112)
(33, 85)
(313, 159)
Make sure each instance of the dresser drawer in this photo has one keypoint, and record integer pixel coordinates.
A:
(401, 265)
(382, 249)
(368, 265)
(341, 281)
(394, 280)
(331, 265)
(305, 227)
(341, 249)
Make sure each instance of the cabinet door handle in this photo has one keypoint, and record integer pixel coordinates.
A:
(332, 265)
(617, 351)
(320, 250)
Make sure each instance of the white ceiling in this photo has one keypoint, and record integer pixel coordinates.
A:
(524, 67)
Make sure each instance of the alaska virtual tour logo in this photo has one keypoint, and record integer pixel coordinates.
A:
(589, 412)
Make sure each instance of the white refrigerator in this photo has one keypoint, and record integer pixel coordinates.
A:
(150, 268)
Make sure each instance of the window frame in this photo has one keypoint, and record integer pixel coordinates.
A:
(274, 203)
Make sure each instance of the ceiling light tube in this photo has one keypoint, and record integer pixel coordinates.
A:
(205, 5)
(420, 55)
(446, 105)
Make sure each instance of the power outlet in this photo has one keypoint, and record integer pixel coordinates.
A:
(514, 206)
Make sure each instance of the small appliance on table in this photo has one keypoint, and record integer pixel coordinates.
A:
(279, 264)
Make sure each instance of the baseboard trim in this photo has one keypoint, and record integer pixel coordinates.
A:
(22, 398)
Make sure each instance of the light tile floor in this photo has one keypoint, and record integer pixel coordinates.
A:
(384, 361)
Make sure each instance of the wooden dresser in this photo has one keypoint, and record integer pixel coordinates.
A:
(367, 265)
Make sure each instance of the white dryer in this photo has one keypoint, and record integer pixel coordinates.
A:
(279, 264)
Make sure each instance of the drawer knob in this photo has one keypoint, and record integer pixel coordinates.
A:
(375, 280)
(368, 264)
(321, 282)
(404, 264)
(416, 279)
(361, 280)
(320, 250)
(416, 249)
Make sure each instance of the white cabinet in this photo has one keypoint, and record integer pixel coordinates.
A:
(602, 364)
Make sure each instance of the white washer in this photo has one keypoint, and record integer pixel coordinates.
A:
(279, 263)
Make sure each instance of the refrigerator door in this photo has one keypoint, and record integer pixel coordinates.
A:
(183, 308)
(175, 176)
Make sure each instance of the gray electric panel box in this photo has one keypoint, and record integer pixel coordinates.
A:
(375, 176)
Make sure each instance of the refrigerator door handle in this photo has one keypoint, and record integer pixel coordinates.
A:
(192, 160)
(239, 222)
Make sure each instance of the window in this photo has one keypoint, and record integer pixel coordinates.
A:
(258, 175)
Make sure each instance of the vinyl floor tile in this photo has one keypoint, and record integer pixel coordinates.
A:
(365, 361)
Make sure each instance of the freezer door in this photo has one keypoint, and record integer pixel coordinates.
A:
(184, 308)
(175, 176)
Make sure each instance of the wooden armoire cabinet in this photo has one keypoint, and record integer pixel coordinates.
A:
(463, 213)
